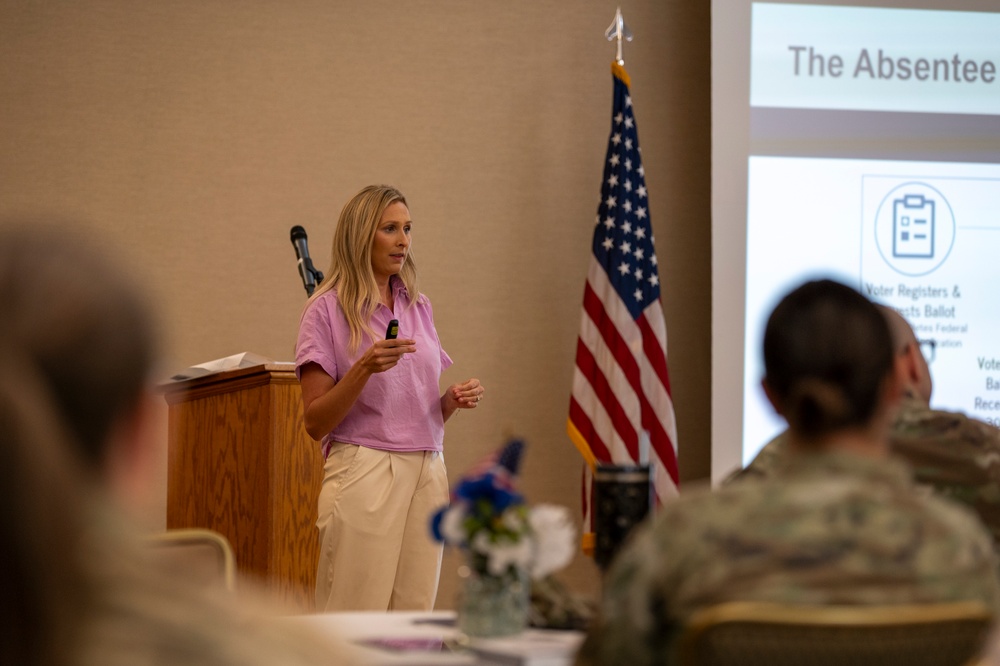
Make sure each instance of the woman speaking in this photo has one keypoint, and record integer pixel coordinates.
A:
(374, 403)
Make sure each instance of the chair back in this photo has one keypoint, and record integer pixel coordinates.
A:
(766, 634)
(201, 555)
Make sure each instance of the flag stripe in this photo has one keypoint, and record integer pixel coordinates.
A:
(584, 428)
(606, 396)
(583, 393)
(651, 346)
(659, 418)
(660, 442)
(612, 336)
(658, 389)
(602, 295)
(593, 339)
(663, 483)
(651, 392)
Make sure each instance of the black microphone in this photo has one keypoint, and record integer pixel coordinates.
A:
(310, 276)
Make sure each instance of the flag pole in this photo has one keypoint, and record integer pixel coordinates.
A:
(618, 30)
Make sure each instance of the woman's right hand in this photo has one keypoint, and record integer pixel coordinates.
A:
(385, 354)
(326, 402)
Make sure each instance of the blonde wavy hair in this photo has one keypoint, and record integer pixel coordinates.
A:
(350, 271)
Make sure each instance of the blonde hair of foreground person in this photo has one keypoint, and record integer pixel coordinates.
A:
(79, 588)
(350, 269)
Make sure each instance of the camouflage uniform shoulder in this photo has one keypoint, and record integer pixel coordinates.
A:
(918, 421)
(957, 456)
(764, 465)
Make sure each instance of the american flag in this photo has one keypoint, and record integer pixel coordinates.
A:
(621, 401)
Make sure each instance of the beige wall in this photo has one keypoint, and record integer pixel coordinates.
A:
(192, 134)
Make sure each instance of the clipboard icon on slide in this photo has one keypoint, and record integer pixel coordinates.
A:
(913, 226)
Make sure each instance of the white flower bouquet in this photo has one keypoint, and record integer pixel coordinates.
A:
(489, 519)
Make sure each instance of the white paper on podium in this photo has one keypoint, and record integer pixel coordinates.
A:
(241, 360)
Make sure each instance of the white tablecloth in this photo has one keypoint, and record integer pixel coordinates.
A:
(420, 637)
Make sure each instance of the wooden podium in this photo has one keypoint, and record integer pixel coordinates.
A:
(240, 462)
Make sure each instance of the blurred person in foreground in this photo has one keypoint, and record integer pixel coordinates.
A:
(956, 456)
(77, 422)
(841, 523)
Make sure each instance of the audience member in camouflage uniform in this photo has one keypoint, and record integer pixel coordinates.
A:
(839, 524)
(76, 427)
(956, 455)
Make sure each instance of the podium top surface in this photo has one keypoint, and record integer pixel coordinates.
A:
(178, 388)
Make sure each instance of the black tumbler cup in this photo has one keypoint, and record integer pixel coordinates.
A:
(621, 501)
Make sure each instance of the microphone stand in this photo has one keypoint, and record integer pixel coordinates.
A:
(307, 265)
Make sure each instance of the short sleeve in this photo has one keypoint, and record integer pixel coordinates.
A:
(316, 342)
(425, 302)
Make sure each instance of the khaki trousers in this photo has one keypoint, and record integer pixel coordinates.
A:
(376, 550)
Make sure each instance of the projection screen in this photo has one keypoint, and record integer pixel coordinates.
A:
(860, 143)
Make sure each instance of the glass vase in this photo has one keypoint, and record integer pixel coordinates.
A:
(492, 606)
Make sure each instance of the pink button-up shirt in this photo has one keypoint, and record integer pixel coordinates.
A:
(399, 409)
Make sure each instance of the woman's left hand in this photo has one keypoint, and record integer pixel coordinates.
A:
(466, 395)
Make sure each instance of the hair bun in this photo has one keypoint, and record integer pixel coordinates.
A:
(815, 406)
